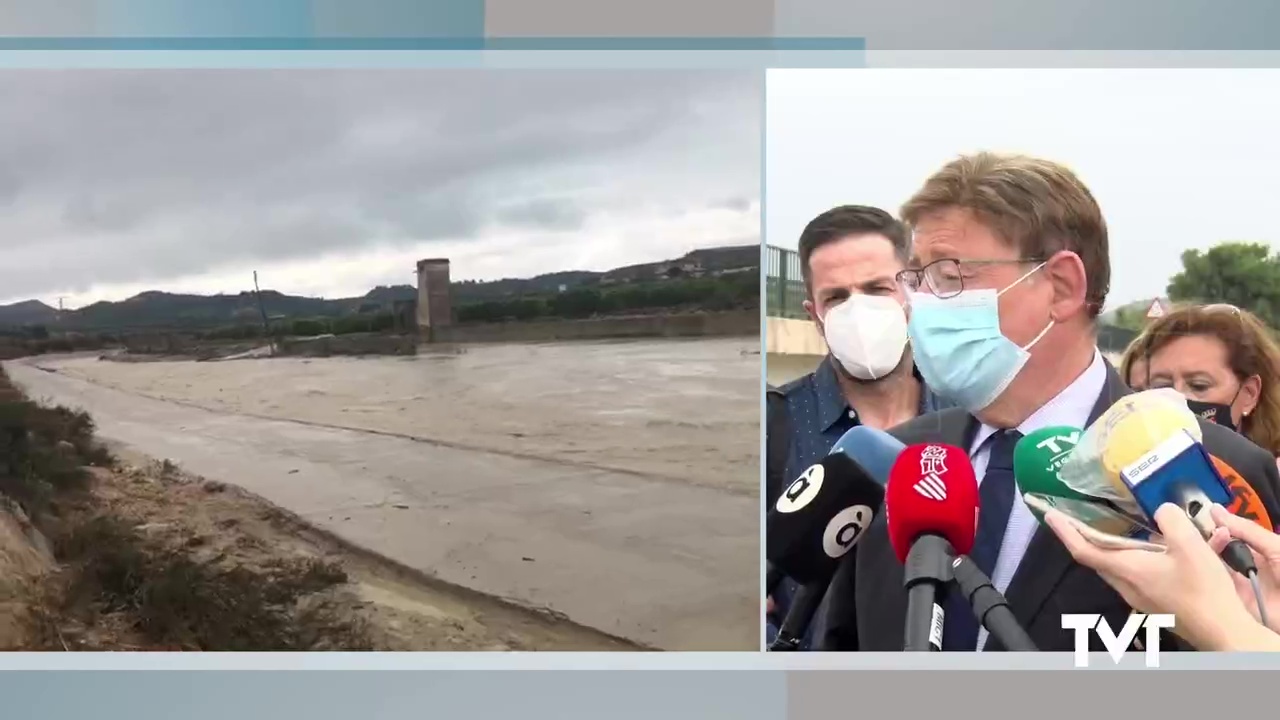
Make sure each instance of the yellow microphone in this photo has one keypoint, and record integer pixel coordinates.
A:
(1122, 435)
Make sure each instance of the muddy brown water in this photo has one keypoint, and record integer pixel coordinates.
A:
(616, 483)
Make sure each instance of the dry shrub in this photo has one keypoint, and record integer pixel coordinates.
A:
(180, 603)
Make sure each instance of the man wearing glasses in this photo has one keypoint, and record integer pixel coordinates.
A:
(1008, 274)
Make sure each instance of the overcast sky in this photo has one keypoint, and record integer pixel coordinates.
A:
(331, 182)
(1176, 158)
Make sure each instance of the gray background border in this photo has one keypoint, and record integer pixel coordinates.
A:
(922, 33)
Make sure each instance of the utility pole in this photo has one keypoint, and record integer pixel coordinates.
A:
(266, 329)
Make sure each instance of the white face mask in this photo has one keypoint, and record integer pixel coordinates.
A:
(867, 334)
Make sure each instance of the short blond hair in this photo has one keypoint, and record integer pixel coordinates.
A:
(1037, 206)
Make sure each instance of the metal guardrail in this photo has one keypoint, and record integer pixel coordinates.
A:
(784, 284)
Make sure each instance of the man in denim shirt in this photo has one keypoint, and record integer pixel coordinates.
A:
(849, 257)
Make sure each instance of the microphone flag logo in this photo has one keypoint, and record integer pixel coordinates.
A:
(933, 460)
(933, 463)
(932, 487)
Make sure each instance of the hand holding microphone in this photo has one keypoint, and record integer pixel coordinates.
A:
(1265, 546)
(1146, 451)
(1188, 580)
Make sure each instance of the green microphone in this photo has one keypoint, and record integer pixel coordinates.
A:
(1038, 457)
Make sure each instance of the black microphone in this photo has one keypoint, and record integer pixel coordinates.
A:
(815, 522)
(772, 578)
(989, 606)
(819, 518)
(804, 605)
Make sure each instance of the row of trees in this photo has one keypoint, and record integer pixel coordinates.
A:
(1246, 275)
(726, 292)
(305, 327)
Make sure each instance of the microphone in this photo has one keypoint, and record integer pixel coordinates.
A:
(990, 606)
(1120, 436)
(773, 576)
(1245, 501)
(819, 517)
(875, 450)
(1150, 442)
(1037, 460)
(833, 525)
(931, 508)
(1179, 470)
(1148, 450)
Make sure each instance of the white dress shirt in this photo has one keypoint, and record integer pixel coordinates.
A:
(1071, 407)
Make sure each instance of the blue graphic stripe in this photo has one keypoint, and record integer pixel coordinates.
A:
(654, 44)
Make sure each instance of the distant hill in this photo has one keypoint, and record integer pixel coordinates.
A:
(27, 312)
(154, 309)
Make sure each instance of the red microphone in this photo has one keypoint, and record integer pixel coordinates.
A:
(931, 508)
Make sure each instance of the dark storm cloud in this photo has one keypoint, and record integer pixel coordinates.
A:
(556, 214)
(127, 176)
(738, 204)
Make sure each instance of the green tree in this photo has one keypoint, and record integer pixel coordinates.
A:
(1246, 275)
(309, 328)
(1130, 318)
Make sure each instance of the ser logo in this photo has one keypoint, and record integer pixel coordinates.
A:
(1117, 644)
(802, 491)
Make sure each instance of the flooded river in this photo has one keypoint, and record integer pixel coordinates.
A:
(616, 483)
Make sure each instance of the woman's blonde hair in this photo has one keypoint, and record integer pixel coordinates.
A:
(1251, 350)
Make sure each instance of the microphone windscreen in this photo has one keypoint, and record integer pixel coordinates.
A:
(1037, 460)
(819, 518)
(1244, 499)
(932, 490)
(872, 448)
(1139, 423)
(1039, 456)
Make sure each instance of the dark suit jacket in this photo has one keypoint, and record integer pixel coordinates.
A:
(867, 604)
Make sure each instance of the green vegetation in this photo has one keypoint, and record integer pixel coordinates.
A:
(181, 603)
(43, 450)
(112, 575)
(1246, 275)
(725, 292)
(1130, 317)
(785, 298)
(306, 327)
(36, 340)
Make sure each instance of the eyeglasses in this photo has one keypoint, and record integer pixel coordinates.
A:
(945, 278)
(1221, 307)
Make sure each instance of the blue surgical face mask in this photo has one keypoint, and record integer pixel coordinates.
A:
(959, 349)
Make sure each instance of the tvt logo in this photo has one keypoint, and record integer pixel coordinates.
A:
(1117, 645)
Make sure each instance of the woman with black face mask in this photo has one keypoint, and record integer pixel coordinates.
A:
(1223, 359)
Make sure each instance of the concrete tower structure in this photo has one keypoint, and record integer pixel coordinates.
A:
(435, 308)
